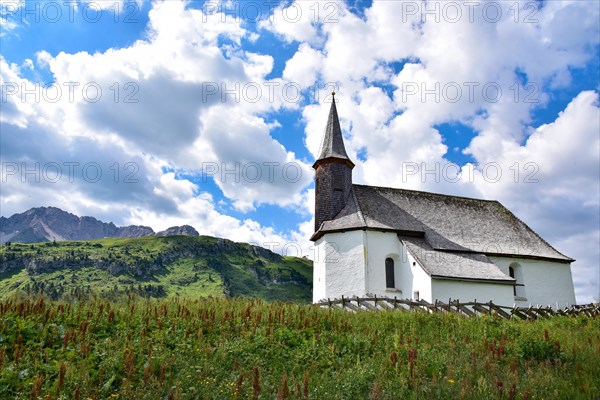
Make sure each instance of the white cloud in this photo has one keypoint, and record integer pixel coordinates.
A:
(258, 66)
(15, 109)
(8, 10)
(182, 89)
(244, 171)
(303, 67)
(301, 20)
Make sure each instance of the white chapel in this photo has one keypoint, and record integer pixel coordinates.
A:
(425, 246)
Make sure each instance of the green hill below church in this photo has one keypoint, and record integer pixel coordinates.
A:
(153, 267)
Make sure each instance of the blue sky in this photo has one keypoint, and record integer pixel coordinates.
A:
(215, 110)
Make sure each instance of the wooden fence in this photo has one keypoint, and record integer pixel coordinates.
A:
(469, 309)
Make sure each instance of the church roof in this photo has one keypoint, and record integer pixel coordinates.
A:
(454, 265)
(445, 223)
(333, 141)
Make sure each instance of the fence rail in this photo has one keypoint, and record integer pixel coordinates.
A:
(469, 309)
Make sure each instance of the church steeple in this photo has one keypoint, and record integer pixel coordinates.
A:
(333, 172)
(333, 141)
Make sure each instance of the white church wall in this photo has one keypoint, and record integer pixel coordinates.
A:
(468, 291)
(344, 255)
(421, 283)
(545, 282)
(319, 282)
(380, 246)
(410, 278)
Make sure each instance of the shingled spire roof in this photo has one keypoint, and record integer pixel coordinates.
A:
(333, 142)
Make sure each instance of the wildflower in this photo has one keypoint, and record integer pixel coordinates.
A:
(451, 380)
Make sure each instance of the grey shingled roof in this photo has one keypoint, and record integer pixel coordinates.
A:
(333, 141)
(448, 223)
(456, 265)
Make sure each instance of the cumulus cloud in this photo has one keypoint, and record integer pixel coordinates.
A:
(303, 67)
(161, 95)
(301, 21)
(242, 170)
(8, 9)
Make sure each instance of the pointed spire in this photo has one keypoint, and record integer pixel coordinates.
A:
(333, 142)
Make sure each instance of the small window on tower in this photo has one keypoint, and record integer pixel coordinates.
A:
(338, 182)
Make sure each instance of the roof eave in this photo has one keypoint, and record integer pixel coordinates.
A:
(567, 260)
(475, 280)
(326, 160)
(318, 234)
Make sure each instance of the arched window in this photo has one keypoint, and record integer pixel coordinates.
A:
(511, 272)
(390, 281)
(516, 271)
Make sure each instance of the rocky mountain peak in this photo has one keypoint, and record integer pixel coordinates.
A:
(51, 223)
(184, 230)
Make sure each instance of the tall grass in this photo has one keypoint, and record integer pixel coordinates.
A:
(240, 349)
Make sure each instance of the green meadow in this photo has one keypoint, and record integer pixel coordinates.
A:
(215, 348)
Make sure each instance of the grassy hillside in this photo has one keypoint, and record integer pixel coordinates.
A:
(240, 349)
(152, 267)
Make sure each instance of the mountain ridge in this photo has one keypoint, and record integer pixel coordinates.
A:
(40, 224)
